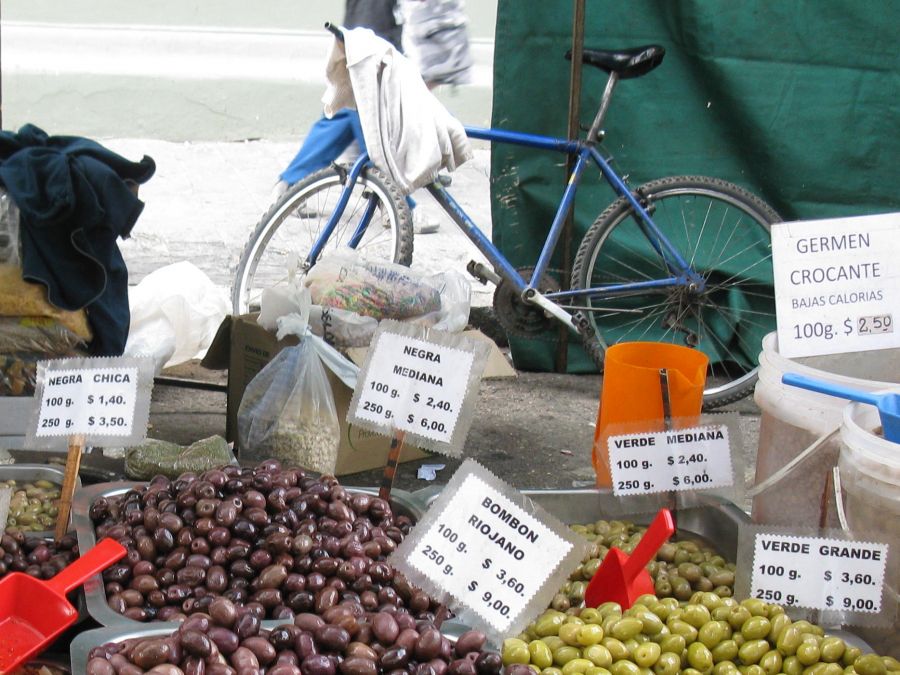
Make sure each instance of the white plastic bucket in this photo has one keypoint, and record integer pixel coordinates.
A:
(793, 419)
(870, 480)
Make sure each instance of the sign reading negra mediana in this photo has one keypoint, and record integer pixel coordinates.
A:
(489, 553)
(836, 284)
(104, 401)
(420, 382)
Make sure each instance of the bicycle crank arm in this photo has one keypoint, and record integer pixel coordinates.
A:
(553, 310)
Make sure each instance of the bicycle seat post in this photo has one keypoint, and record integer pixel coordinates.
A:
(594, 133)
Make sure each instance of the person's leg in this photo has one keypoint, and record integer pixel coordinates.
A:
(324, 143)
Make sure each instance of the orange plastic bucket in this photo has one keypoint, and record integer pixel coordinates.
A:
(631, 399)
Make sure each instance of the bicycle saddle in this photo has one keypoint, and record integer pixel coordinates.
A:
(632, 62)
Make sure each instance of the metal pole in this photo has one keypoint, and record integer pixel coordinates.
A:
(562, 355)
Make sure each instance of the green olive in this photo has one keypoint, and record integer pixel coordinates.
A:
(696, 615)
(726, 650)
(668, 663)
(626, 628)
(725, 668)
(616, 648)
(832, 649)
(551, 671)
(593, 670)
(673, 643)
(789, 640)
(753, 669)
(850, 655)
(752, 651)
(791, 666)
(625, 667)
(713, 632)
(756, 607)
(870, 664)
(588, 634)
(771, 662)
(578, 665)
(564, 654)
(647, 654)
(808, 653)
(756, 627)
(689, 571)
(540, 654)
(738, 615)
(514, 651)
(568, 633)
(591, 615)
(549, 623)
(598, 655)
(683, 628)
(699, 656)
(890, 663)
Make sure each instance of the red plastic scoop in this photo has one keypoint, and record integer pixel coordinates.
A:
(623, 578)
(34, 612)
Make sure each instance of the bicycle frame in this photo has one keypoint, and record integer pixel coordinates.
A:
(680, 270)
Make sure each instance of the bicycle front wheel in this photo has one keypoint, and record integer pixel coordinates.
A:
(722, 231)
(281, 241)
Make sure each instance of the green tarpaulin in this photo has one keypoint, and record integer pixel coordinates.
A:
(795, 101)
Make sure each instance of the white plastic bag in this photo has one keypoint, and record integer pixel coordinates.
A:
(175, 313)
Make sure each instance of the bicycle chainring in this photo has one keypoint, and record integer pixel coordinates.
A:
(518, 317)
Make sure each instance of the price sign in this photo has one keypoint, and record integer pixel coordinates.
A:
(837, 288)
(698, 458)
(419, 382)
(488, 552)
(823, 573)
(104, 400)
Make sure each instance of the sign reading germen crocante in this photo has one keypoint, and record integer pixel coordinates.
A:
(837, 284)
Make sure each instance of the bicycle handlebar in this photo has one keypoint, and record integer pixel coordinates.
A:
(335, 29)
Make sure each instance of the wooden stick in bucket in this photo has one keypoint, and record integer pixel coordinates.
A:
(73, 464)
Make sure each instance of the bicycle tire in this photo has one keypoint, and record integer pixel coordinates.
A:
(608, 255)
(283, 237)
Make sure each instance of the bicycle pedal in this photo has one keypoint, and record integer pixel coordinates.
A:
(483, 273)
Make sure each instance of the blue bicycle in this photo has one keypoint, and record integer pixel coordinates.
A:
(682, 259)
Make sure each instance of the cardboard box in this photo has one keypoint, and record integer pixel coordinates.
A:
(244, 347)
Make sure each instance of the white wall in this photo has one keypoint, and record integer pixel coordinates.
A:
(187, 69)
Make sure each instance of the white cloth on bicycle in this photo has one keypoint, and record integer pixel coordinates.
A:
(408, 132)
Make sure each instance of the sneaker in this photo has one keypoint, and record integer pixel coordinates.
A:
(422, 224)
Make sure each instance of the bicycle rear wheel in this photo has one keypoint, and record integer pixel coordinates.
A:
(723, 232)
(282, 239)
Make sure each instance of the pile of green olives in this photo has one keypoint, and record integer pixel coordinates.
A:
(707, 635)
(33, 506)
(679, 569)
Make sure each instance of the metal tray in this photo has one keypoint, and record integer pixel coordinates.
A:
(27, 473)
(84, 642)
(709, 517)
(402, 502)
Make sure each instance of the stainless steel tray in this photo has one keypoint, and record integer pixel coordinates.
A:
(402, 502)
(27, 473)
(708, 517)
(84, 642)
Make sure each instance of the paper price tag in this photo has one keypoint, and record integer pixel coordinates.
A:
(698, 458)
(488, 552)
(819, 573)
(103, 400)
(837, 288)
(830, 573)
(419, 382)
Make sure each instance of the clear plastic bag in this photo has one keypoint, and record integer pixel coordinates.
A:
(9, 230)
(378, 289)
(288, 412)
